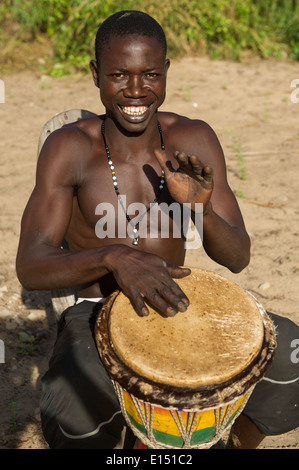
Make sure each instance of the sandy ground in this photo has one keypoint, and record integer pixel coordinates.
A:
(249, 107)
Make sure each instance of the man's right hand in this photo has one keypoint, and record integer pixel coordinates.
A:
(145, 276)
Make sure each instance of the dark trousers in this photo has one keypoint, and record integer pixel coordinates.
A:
(79, 408)
(274, 403)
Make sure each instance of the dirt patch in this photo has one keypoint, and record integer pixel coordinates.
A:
(249, 107)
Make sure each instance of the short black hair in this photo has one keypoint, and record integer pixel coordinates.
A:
(127, 22)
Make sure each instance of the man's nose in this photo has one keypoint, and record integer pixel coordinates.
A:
(135, 87)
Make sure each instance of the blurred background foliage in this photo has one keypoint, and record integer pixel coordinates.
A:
(57, 36)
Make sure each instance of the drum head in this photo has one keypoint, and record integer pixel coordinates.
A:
(218, 338)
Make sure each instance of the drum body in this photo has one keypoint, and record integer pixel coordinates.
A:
(182, 381)
(177, 427)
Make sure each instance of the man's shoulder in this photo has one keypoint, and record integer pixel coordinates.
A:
(89, 126)
(84, 130)
(182, 125)
(192, 136)
(75, 136)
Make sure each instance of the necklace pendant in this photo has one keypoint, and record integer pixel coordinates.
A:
(135, 241)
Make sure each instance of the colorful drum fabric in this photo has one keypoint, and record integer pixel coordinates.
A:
(183, 380)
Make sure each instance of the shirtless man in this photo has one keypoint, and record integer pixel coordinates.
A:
(79, 407)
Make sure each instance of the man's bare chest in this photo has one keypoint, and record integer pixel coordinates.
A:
(121, 192)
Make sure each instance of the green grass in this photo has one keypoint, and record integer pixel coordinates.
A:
(238, 151)
(13, 411)
(226, 29)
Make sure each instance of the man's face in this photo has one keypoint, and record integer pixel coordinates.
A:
(132, 80)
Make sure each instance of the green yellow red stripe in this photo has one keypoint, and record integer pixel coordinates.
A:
(165, 428)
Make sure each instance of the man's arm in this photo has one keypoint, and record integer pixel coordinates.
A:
(225, 239)
(227, 244)
(41, 264)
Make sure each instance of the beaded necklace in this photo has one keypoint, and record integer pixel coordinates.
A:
(114, 180)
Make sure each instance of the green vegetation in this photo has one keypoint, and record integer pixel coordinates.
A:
(27, 346)
(238, 151)
(14, 411)
(220, 28)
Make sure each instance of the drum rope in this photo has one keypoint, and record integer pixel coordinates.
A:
(179, 423)
(194, 423)
(190, 427)
(143, 416)
(222, 417)
(186, 432)
(219, 414)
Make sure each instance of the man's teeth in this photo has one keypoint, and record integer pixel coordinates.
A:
(134, 110)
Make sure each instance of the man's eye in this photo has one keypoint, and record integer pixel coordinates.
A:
(118, 75)
(151, 75)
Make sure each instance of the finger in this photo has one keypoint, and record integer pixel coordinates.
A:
(164, 301)
(180, 298)
(182, 159)
(208, 174)
(167, 272)
(173, 294)
(196, 164)
(177, 272)
(165, 164)
(139, 303)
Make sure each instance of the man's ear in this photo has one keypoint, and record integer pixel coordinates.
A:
(167, 64)
(95, 72)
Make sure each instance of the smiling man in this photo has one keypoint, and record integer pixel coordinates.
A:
(137, 154)
(131, 78)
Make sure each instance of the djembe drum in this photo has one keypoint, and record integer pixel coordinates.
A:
(182, 381)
